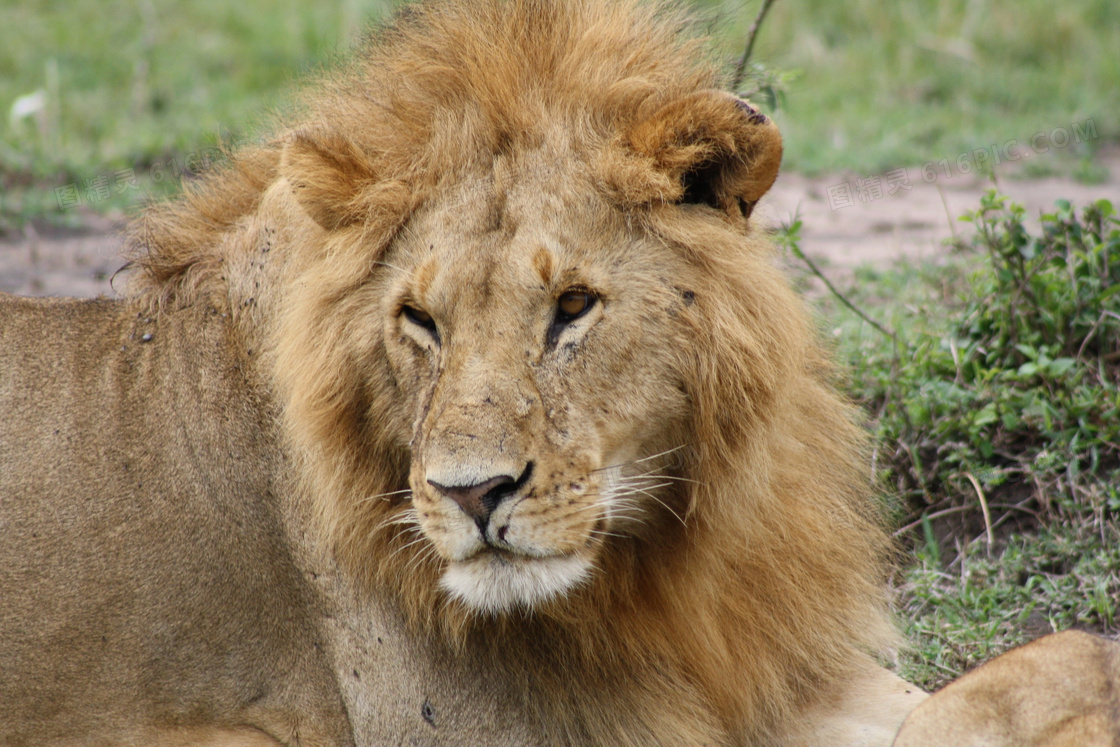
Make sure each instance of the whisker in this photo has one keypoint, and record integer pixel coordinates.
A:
(421, 558)
(622, 506)
(644, 488)
(385, 495)
(634, 518)
(655, 476)
(588, 507)
(605, 533)
(407, 518)
(407, 545)
(639, 460)
(663, 503)
(625, 501)
(391, 267)
(652, 474)
(659, 454)
(410, 543)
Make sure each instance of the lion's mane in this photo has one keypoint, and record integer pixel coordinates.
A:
(774, 583)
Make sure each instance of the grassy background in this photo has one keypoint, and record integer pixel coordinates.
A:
(135, 83)
(893, 84)
(867, 86)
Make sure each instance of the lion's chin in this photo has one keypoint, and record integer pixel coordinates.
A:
(495, 583)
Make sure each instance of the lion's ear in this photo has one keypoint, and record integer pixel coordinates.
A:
(329, 175)
(713, 148)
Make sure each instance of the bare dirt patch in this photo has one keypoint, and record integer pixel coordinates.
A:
(49, 261)
(910, 225)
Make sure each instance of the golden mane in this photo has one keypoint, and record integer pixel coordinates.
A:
(775, 584)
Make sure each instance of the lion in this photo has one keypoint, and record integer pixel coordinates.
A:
(472, 409)
(1060, 690)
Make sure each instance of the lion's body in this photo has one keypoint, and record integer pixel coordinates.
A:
(144, 558)
(474, 411)
(1062, 690)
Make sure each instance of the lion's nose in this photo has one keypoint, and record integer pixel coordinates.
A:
(478, 501)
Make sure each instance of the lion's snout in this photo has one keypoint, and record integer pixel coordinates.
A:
(480, 499)
(508, 541)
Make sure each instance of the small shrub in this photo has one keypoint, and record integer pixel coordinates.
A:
(1014, 409)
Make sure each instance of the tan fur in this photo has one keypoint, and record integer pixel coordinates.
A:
(1062, 690)
(477, 161)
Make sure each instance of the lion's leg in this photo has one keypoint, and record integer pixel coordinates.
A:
(201, 736)
(1061, 690)
(222, 738)
(866, 710)
(270, 729)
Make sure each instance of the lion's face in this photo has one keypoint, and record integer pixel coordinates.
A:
(535, 348)
(520, 335)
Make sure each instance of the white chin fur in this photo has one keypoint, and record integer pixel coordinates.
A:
(490, 583)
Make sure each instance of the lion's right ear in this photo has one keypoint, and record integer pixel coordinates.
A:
(707, 148)
(330, 176)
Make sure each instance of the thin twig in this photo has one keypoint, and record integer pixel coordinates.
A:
(984, 508)
(1089, 336)
(943, 668)
(816, 271)
(949, 215)
(742, 66)
(956, 510)
(935, 515)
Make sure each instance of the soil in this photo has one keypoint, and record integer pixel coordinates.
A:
(50, 261)
(916, 225)
(843, 226)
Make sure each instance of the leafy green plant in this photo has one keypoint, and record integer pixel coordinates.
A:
(1014, 407)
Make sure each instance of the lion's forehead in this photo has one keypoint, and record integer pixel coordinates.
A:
(533, 242)
(459, 249)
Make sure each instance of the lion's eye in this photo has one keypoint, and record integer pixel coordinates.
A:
(573, 305)
(420, 318)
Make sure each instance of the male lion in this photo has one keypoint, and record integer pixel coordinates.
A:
(471, 411)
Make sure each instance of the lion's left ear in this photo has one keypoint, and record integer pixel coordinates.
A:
(329, 175)
(709, 148)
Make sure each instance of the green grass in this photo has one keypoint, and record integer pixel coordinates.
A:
(134, 84)
(959, 615)
(868, 86)
(881, 85)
